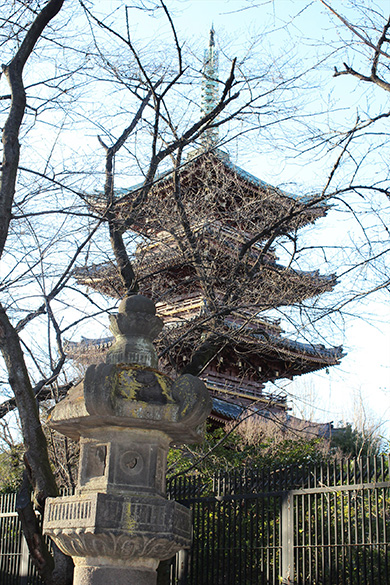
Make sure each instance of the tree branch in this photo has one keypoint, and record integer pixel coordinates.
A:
(11, 147)
(365, 40)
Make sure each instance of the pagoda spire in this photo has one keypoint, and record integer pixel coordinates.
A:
(210, 90)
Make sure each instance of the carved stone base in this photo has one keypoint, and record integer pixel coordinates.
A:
(105, 572)
(126, 528)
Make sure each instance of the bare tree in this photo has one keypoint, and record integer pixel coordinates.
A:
(361, 178)
(38, 470)
(376, 39)
(349, 139)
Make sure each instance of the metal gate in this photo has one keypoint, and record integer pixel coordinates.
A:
(341, 524)
(237, 533)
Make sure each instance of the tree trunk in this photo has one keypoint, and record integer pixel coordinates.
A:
(38, 470)
(36, 457)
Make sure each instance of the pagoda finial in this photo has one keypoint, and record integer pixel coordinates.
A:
(212, 32)
(210, 89)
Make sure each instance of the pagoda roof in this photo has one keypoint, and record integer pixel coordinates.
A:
(213, 184)
(311, 357)
(154, 274)
(258, 353)
(229, 411)
(224, 158)
(317, 351)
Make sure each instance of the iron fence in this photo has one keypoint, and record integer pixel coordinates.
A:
(16, 567)
(314, 525)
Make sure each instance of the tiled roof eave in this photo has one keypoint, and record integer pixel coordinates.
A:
(318, 207)
(267, 343)
(295, 349)
(106, 270)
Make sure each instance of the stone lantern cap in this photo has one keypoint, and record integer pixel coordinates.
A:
(134, 328)
(129, 391)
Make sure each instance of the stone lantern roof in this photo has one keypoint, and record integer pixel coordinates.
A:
(128, 390)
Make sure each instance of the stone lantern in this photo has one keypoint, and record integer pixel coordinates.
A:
(126, 414)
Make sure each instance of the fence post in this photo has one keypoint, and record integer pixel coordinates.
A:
(23, 565)
(182, 558)
(287, 522)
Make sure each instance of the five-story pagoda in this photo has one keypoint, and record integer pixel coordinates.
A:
(206, 257)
